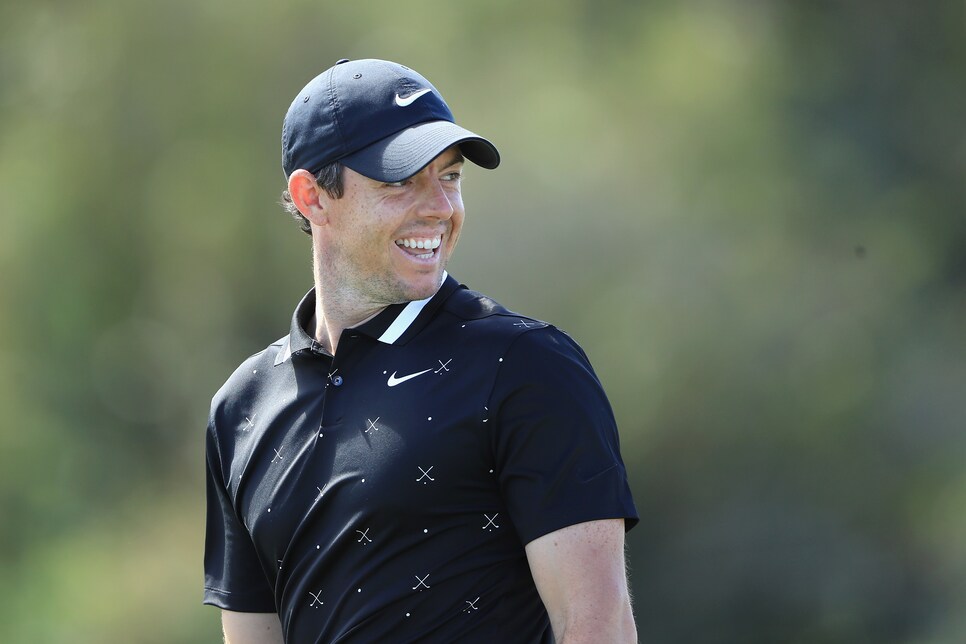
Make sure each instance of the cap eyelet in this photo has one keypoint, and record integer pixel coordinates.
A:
(305, 100)
(357, 76)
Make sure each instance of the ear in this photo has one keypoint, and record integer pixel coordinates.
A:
(308, 197)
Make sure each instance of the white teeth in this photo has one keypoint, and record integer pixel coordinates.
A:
(428, 244)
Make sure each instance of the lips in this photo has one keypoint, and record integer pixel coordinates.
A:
(412, 245)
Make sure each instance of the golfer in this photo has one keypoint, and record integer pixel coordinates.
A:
(411, 462)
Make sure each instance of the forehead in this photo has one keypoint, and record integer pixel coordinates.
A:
(448, 157)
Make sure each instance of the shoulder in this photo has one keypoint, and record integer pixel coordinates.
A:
(247, 381)
(547, 357)
(486, 317)
(529, 347)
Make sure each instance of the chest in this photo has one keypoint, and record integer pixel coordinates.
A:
(388, 437)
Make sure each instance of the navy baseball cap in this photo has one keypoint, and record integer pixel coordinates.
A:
(377, 117)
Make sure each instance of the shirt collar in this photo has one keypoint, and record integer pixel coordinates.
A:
(395, 324)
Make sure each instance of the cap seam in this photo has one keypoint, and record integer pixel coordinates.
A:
(319, 129)
(336, 113)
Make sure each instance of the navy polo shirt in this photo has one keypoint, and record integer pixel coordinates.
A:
(386, 493)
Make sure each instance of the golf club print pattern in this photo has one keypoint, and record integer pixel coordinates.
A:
(382, 468)
(373, 426)
(425, 475)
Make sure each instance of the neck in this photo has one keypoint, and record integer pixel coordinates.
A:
(335, 309)
(341, 304)
(331, 320)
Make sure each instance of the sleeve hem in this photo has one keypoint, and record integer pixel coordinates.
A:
(238, 602)
(629, 515)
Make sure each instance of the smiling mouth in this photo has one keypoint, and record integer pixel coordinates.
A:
(420, 247)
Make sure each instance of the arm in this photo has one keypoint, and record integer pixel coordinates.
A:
(580, 575)
(251, 628)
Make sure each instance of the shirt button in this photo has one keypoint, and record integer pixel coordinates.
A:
(337, 381)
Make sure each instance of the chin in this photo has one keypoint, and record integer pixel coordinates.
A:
(422, 287)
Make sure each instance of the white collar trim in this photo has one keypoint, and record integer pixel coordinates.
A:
(407, 316)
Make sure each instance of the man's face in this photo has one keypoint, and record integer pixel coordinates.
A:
(389, 242)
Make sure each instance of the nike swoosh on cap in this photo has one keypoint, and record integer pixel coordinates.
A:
(393, 380)
(409, 100)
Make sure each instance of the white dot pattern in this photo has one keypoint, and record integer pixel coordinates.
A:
(433, 476)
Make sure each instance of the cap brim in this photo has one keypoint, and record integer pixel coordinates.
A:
(403, 154)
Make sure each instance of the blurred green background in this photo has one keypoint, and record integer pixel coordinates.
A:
(752, 215)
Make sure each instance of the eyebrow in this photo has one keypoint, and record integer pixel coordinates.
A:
(457, 158)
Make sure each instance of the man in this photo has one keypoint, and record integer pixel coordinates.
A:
(413, 462)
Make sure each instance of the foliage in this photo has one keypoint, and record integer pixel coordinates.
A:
(750, 215)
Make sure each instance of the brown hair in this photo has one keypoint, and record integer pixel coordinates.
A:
(330, 179)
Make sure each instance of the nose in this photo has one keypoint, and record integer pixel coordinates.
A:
(435, 201)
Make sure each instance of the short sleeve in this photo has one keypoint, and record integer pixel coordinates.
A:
(234, 578)
(555, 438)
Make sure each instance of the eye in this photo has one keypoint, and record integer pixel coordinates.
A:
(396, 184)
(452, 176)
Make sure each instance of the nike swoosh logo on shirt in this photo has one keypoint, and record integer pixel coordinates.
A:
(409, 100)
(393, 380)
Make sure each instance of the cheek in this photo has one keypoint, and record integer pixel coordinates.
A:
(454, 236)
(361, 234)
(458, 217)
